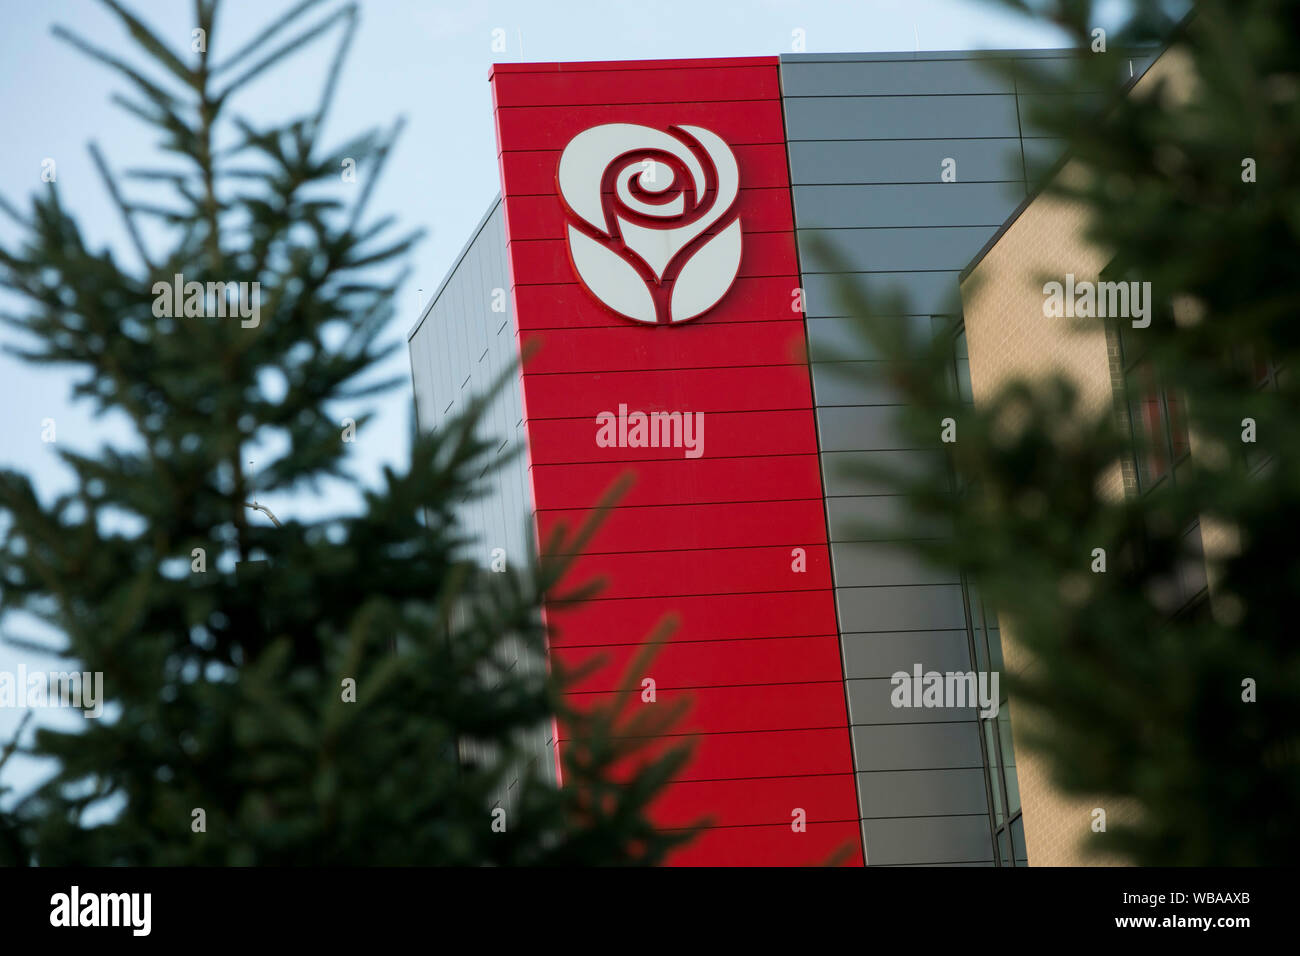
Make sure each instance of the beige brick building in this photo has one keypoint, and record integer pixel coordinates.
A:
(1007, 337)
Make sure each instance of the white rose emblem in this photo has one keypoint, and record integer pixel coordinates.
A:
(640, 202)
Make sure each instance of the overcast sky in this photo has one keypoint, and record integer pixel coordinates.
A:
(427, 60)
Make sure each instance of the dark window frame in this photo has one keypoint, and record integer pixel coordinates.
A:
(996, 791)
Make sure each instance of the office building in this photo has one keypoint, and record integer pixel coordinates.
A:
(669, 239)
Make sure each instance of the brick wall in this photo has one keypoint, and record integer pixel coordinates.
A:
(1007, 337)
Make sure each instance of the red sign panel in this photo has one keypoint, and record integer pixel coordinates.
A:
(651, 246)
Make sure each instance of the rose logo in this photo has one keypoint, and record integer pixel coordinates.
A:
(642, 203)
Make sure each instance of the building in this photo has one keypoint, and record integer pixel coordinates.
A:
(1006, 336)
(662, 241)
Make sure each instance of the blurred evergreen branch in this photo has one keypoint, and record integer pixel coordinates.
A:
(1133, 699)
(224, 686)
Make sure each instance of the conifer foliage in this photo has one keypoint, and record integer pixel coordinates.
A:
(278, 690)
(1167, 703)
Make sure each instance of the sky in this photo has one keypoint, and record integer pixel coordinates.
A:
(425, 60)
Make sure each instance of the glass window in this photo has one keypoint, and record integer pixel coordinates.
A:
(1018, 838)
(986, 656)
(994, 774)
(1178, 436)
(995, 649)
(978, 634)
(1148, 425)
(960, 371)
(1157, 415)
(975, 624)
(1267, 373)
(1008, 759)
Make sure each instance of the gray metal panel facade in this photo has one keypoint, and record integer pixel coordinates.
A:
(868, 135)
(465, 340)
(458, 349)
(868, 139)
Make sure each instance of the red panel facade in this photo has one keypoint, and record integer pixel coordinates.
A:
(634, 346)
(722, 663)
(725, 529)
(700, 618)
(727, 525)
(571, 307)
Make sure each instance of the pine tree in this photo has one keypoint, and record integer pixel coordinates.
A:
(1186, 714)
(278, 690)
